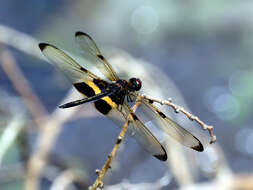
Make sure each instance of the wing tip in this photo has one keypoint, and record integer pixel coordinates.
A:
(162, 157)
(79, 33)
(198, 148)
(42, 46)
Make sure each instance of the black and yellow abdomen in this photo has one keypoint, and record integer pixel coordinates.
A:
(91, 88)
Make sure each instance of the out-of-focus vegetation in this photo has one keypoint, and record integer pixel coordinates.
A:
(204, 47)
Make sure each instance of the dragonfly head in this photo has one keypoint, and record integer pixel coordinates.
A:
(134, 84)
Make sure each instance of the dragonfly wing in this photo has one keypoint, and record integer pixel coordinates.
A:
(170, 127)
(138, 131)
(92, 53)
(66, 64)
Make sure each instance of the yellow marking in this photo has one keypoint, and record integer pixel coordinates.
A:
(93, 86)
(109, 101)
(98, 91)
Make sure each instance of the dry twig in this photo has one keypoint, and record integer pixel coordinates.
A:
(22, 86)
(178, 109)
(65, 179)
(101, 173)
(20, 41)
(9, 135)
(159, 184)
(45, 143)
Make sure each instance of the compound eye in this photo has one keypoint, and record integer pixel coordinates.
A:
(135, 84)
(138, 84)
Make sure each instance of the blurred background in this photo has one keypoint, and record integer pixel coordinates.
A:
(199, 53)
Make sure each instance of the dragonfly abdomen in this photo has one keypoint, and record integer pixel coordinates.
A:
(84, 89)
(91, 88)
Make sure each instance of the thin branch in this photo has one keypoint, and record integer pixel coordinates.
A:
(45, 143)
(178, 109)
(178, 163)
(9, 135)
(22, 86)
(159, 184)
(65, 179)
(20, 41)
(101, 173)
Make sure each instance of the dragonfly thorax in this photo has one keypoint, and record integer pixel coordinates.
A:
(134, 84)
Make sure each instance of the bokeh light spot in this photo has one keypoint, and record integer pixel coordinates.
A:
(144, 20)
(244, 140)
(240, 83)
(226, 106)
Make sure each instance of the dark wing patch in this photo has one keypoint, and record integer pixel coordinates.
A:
(42, 46)
(161, 114)
(198, 147)
(134, 117)
(101, 57)
(162, 157)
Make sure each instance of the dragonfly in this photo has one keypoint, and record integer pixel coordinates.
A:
(111, 96)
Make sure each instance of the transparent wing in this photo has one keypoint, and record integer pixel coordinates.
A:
(92, 53)
(170, 127)
(139, 132)
(66, 64)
